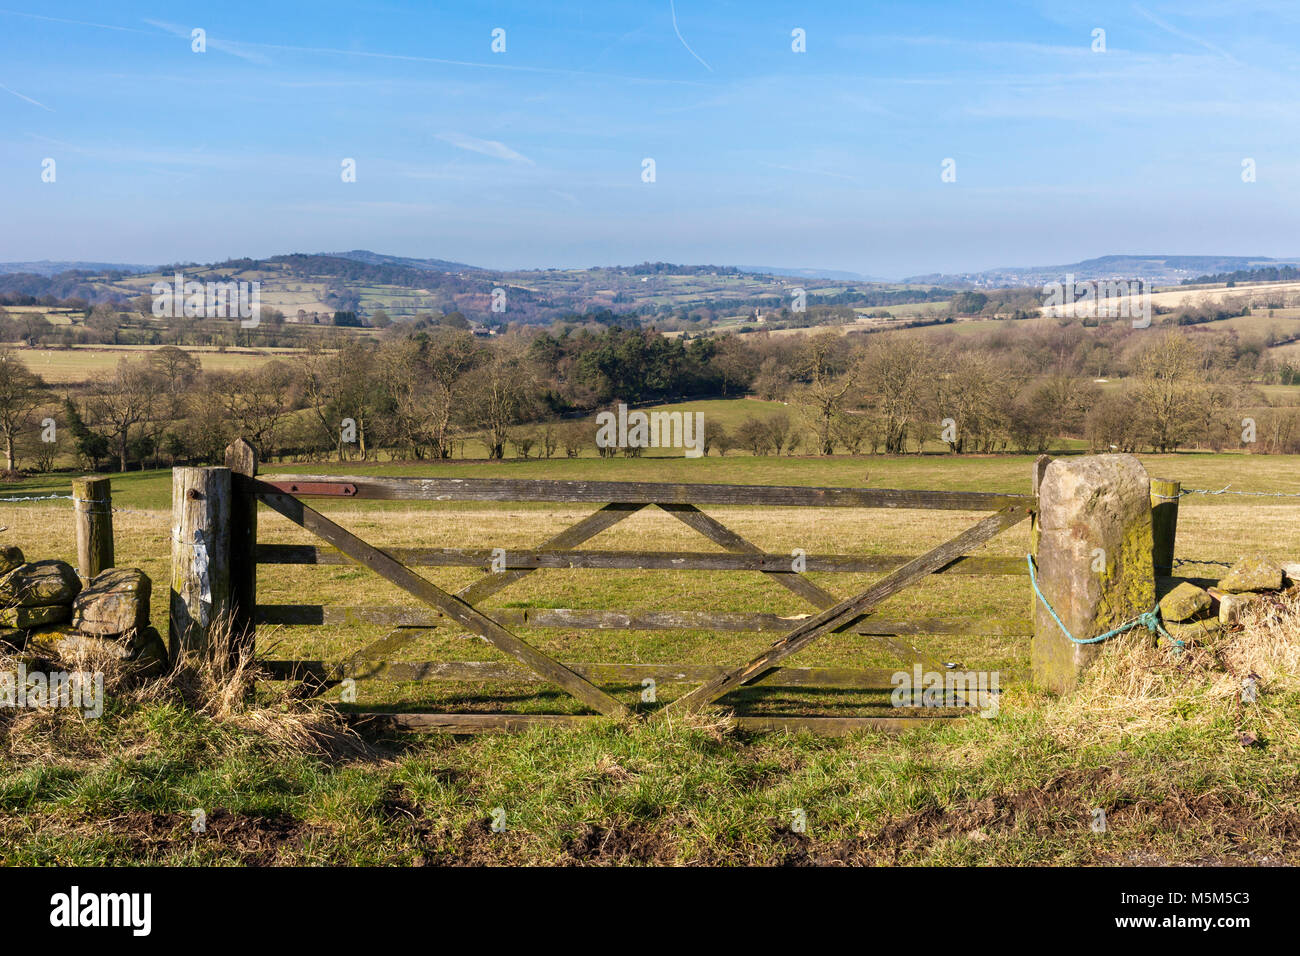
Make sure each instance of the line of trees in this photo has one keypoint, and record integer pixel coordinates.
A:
(422, 392)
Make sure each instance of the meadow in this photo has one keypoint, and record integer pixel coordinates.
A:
(1170, 770)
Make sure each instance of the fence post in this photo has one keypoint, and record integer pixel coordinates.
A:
(200, 584)
(1040, 466)
(92, 503)
(1094, 561)
(1164, 523)
(241, 459)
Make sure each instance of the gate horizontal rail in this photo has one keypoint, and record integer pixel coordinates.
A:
(465, 610)
(637, 492)
(605, 620)
(634, 560)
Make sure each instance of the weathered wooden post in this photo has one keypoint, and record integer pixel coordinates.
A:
(241, 459)
(92, 502)
(200, 585)
(1164, 523)
(1094, 560)
(1040, 466)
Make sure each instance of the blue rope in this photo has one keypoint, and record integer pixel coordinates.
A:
(1149, 619)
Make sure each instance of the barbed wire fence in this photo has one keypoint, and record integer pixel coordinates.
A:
(83, 501)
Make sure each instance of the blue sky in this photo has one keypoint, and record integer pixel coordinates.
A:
(830, 158)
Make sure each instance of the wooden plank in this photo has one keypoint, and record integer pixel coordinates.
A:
(474, 723)
(591, 619)
(570, 537)
(390, 643)
(839, 726)
(842, 678)
(848, 611)
(452, 606)
(511, 723)
(817, 596)
(646, 492)
(521, 558)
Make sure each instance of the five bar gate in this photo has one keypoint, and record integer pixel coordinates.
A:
(615, 501)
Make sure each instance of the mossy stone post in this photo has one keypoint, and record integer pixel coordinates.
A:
(200, 584)
(1094, 561)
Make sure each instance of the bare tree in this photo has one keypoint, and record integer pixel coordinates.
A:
(21, 393)
(126, 400)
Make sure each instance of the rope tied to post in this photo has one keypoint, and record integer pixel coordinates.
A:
(1148, 619)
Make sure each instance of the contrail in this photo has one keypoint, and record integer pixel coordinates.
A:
(27, 98)
(683, 39)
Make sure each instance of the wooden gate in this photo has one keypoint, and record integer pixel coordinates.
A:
(615, 501)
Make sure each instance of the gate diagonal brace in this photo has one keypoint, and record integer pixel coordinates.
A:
(454, 607)
(847, 611)
(818, 597)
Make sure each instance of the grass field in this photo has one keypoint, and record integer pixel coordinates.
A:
(1173, 776)
(82, 364)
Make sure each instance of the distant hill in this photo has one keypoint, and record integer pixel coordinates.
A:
(811, 273)
(46, 267)
(1158, 270)
(380, 259)
(1277, 273)
(303, 286)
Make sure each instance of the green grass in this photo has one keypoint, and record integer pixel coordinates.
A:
(1013, 790)
(1005, 791)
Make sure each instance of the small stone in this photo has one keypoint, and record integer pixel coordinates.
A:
(1291, 573)
(40, 583)
(148, 651)
(1231, 606)
(1184, 602)
(34, 616)
(144, 649)
(1192, 633)
(10, 558)
(1255, 572)
(114, 602)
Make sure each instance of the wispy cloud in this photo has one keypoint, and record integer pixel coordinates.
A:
(1184, 35)
(79, 23)
(488, 147)
(673, 9)
(27, 98)
(221, 46)
(803, 171)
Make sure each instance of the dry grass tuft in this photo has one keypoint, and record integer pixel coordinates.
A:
(1138, 687)
(205, 684)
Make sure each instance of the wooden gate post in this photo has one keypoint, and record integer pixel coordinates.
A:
(241, 459)
(1094, 561)
(200, 585)
(1040, 466)
(1164, 523)
(92, 502)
